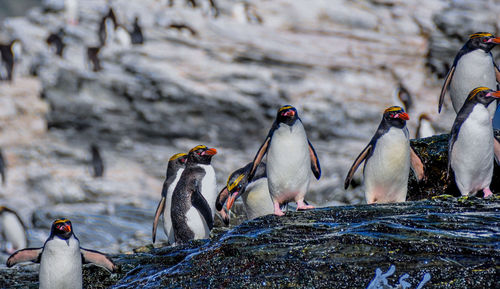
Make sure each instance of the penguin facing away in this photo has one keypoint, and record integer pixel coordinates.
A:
(471, 144)
(176, 165)
(255, 193)
(97, 162)
(424, 128)
(136, 34)
(473, 67)
(13, 230)
(193, 199)
(388, 157)
(61, 258)
(290, 160)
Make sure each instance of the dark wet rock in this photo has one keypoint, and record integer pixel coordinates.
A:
(453, 240)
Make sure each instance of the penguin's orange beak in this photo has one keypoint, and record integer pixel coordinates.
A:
(402, 115)
(495, 94)
(210, 152)
(289, 113)
(231, 199)
(66, 228)
(495, 40)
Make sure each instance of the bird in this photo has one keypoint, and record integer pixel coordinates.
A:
(13, 230)
(9, 53)
(107, 26)
(97, 162)
(290, 157)
(473, 67)
(424, 128)
(470, 147)
(55, 40)
(388, 157)
(61, 258)
(3, 168)
(193, 199)
(136, 34)
(176, 165)
(255, 193)
(121, 36)
(403, 97)
(93, 61)
(181, 27)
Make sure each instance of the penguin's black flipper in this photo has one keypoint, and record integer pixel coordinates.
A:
(24, 255)
(315, 167)
(459, 120)
(496, 149)
(362, 156)
(221, 199)
(449, 76)
(202, 206)
(159, 212)
(417, 165)
(497, 72)
(98, 258)
(260, 154)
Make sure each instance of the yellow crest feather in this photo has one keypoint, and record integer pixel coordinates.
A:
(61, 221)
(197, 148)
(393, 108)
(176, 156)
(235, 183)
(476, 91)
(480, 34)
(285, 107)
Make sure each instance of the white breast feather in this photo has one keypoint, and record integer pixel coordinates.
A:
(13, 230)
(472, 154)
(288, 163)
(257, 200)
(474, 69)
(386, 171)
(167, 220)
(61, 265)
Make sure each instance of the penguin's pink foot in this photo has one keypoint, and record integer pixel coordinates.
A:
(302, 206)
(487, 192)
(277, 210)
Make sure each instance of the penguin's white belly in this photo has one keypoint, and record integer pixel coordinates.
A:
(474, 69)
(167, 220)
(209, 187)
(472, 154)
(197, 224)
(13, 231)
(386, 171)
(257, 200)
(288, 163)
(61, 265)
(426, 129)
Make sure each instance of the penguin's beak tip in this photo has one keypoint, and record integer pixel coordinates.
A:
(495, 40)
(67, 228)
(403, 116)
(211, 152)
(495, 94)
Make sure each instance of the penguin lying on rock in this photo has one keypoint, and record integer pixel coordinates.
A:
(193, 199)
(290, 159)
(473, 67)
(13, 230)
(470, 148)
(176, 165)
(61, 258)
(387, 158)
(255, 193)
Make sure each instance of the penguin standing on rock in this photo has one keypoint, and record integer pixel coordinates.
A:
(387, 160)
(136, 34)
(424, 128)
(13, 230)
(473, 67)
(256, 198)
(3, 168)
(290, 159)
(61, 258)
(93, 60)
(97, 162)
(176, 165)
(55, 40)
(9, 53)
(470, 148)
(193, 199)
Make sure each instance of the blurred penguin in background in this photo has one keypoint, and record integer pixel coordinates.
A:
(56, 43)
(13, 231)
(10, 53)
(97, 163)
(71, 11)
(136, 34)
(403, 98)
(3, 168)
(93, 61)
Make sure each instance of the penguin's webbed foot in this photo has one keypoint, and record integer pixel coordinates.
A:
(277, 210)
(302, 206)
(487, 192)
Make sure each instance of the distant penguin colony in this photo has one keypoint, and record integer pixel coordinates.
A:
(61, 258)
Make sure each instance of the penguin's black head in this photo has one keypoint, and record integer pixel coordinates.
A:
(62, 228)
(201, 155)
(178, 159)
(287, 114)
(482, 40)
(236, 185)
(396, 116)
(483, 95)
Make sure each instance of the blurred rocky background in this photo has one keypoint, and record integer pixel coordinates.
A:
(220, 84)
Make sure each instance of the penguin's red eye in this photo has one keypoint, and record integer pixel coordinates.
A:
(485, 39)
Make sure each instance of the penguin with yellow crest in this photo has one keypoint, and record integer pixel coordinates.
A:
(471, 144)
(388, 157)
